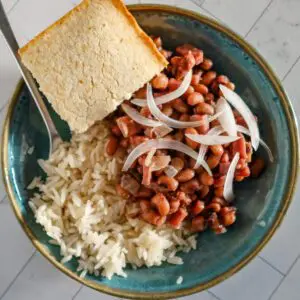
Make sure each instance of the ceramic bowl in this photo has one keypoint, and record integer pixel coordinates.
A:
(261, 202)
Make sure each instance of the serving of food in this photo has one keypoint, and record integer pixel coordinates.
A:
(159, 138)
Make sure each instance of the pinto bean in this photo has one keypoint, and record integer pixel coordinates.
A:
(173, 84)
(208, 77)
(184, 118)
(222, 79)
(112, 145)
(213, 161)
(161, 203)
(177, 163)
(210, 98)
(189, 91)
(207, 64)
(257, 167)
(183, 198)
(116, 131)
(177, 218)
(201, 88)
(215, 225)
(202, 129)
(196, 78)
(190, 187)
(230, 85)
(219, 191)
(185, 175)
(198, 224)
(217, 150)
(240, 146)
(206, 179)
(228, 215)
(171, 184)
(216, 207)
(194, 99)
(153, 217)
(189, 142)
(223, 168)
(197, 207)
(220, 181)
(174, 205)
(180, 106)
(167, 109)
(141, 93)
(204, 191)
(245, 172)
(220, 201)
(160, 82)
(204, 108)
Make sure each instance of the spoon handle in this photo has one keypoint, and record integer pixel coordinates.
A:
(31, 84)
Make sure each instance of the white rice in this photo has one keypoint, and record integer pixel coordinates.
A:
(81, 212)
(179, 280)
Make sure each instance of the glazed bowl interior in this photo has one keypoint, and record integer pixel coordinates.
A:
(261, 202)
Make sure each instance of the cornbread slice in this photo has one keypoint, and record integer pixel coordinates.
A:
(91, 60)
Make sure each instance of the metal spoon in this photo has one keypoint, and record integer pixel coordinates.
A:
(31, 84)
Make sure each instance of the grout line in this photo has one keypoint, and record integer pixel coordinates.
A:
(13, 7)
(213, 294)
(291, 68)
(283, 278)
(16, 277)
(259, 17)
(270, 265)
(75, 295)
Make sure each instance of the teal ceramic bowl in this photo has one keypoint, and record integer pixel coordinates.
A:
(261, 203)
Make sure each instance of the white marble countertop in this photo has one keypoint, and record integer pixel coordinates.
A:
(273, 27)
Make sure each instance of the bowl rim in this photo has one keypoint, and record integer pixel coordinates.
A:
(295, 163)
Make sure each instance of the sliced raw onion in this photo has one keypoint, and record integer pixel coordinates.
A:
(203, 148)
(162, 130)
(228, 185)
(155, 111)
(137, 117)
(226, 119)
(161, 144)
(236, 101)
(170, 171)
(211, 139)
(171, 96)
(149, 157)
(246, 131)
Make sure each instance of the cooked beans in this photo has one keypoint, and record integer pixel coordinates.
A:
(197, 207)
(177, 218)
(161, 203)
(160, 82)
(192, 194)
(206, 179)
(177, 163)
(217, 150)
(208, 77)
(257, 167)
(204, 108)
(185, 175)
(201, 88)
(169, 183)
(191, 143)
(195, 98)
(207, 64)
(180, 106)
(112, 145)
(190, 187)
